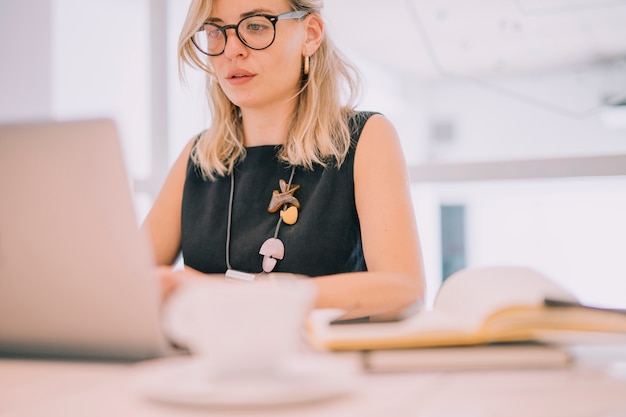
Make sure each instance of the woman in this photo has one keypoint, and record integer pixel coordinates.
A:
(287, 179)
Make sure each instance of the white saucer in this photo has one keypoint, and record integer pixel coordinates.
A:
(302, 378)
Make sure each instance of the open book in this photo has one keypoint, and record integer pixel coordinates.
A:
(478, 306)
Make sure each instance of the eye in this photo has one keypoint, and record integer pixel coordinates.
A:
(212, 32)
(256, 25)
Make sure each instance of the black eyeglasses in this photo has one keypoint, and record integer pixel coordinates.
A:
(256, 32)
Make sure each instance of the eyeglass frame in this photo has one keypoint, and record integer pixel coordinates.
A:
(295, 14)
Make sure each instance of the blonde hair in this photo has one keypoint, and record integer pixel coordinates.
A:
(320, 133)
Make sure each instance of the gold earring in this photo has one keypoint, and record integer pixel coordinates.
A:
(307, 65)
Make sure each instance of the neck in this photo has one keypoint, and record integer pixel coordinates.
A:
(267, 126)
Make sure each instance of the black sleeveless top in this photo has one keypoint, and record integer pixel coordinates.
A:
(326, 239)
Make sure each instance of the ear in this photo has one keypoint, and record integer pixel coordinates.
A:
(314, 30)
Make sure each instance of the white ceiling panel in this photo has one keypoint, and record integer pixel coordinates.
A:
(480, 38)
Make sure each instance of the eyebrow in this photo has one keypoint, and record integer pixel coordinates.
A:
(242, 16)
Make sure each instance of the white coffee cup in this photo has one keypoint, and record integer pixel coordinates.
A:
(239, 329)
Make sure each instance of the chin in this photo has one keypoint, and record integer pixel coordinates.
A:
(243, 104)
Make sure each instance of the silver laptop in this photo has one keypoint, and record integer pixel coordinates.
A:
(75, 273)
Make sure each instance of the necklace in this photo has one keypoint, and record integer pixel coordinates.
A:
(273, 248)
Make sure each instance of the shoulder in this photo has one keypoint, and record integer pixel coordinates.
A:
(184, 160)
(357, 121)
(370, 123)
(377, 131)
(378, 142)
(188, 150)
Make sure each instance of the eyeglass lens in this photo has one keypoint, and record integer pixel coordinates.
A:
(256, 32)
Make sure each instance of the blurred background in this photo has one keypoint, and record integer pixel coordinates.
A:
(512, 114)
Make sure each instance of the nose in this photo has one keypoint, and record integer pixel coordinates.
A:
(234, 46)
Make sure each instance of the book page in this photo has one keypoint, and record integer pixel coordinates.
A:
(477, 293)
(424, 328)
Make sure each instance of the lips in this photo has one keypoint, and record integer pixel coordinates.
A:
(237, 74)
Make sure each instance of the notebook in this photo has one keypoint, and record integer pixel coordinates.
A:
(76, 277)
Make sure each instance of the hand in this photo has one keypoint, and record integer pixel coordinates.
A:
(168, 281)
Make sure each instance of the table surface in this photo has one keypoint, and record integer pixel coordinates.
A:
(595, 385)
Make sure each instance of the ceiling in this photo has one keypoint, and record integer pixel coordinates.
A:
(480, 38)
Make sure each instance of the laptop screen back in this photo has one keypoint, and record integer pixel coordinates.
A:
(75, 273)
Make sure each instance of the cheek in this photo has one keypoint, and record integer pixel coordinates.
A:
(289, 65)
(290, 55)
(289, 68)
(213, 62)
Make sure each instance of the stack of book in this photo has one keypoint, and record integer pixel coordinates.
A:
(496, 317)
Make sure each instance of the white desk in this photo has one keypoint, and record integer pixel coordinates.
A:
(594, 386)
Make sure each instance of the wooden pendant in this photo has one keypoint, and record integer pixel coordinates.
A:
(290, 215)
(284, 196)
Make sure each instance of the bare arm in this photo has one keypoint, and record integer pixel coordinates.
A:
(163, 220)
(395, 278)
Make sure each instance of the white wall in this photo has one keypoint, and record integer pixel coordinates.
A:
(187, 104)
(101, 68)
(26, 69)
(539, 115)
(573, 230)
(76, 59)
